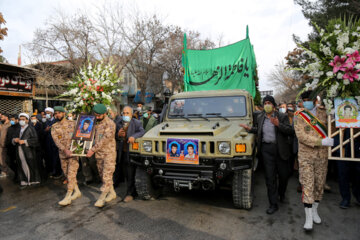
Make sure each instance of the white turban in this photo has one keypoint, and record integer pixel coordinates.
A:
(49, 109)
(24, 115)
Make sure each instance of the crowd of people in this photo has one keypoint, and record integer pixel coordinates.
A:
(293, 136)
(37, 147)
(289, 136)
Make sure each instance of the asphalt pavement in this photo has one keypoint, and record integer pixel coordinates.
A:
(34, 214)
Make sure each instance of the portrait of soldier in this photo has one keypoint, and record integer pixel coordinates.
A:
(348, 113)
(173, 152)
(85, 127)
(190, 149)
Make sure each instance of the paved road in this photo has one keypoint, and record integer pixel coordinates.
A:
(34, 214)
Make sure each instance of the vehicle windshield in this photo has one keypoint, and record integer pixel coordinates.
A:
(208, 107)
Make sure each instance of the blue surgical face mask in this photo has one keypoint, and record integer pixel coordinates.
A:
(126, 118)
(282, 110)
(145, 115)
(48, 116)
(12, 122)
(309, 105)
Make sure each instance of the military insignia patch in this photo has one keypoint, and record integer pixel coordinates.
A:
(59, 137)
(307, 128)
(313, 122)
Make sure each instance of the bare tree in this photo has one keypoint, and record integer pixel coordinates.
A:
(171, 57)
(70, 38)
(50, 79)
(145, 45)
(285, 81)
(150, 34)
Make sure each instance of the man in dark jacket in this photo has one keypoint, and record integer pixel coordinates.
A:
(148, 120)
(128, 130)
(52, 159)
(273, 129)
(11, 149)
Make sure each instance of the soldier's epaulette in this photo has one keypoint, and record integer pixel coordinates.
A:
(54, 125)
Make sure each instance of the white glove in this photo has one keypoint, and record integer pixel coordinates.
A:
(329, 142)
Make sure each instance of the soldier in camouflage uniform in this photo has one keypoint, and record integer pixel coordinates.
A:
(61, 133)
(312, 156)
(105, 153)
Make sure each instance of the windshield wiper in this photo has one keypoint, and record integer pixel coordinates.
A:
(181, 115)
(218, 115)
(198, 115)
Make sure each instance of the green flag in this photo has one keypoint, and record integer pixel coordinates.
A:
(229, 67)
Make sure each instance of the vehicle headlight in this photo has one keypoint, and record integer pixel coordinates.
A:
(147, 145)
(224, 147)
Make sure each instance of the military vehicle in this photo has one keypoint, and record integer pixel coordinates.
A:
(199, 145)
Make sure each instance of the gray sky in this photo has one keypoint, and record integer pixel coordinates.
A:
(271, 23)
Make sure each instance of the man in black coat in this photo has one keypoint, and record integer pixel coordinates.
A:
(52, 160)
(273, 130)
(11, 149)
(127, 131)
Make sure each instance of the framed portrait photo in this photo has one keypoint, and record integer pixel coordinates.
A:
(85, 128)
(347, 114)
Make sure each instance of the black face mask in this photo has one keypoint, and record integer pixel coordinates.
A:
(2, 121)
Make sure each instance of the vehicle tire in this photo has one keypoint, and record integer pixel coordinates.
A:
(242, 189)
(145, 188)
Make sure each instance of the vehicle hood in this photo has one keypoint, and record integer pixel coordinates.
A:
(202, 128)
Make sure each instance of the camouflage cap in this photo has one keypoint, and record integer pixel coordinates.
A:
(99, 108)
(59, 109)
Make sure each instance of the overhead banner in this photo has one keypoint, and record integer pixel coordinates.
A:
(229, 67)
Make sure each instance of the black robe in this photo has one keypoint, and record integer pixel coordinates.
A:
(31, 156)
(11, 149)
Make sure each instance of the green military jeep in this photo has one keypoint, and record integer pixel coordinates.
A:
(199, 145)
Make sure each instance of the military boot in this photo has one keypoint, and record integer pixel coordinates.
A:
(315, 214)
(112, 195)
(308, 226)
(67, 199)
(77, 193)
(101, 201)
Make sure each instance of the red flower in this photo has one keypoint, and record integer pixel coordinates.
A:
(351, 74)
(354, 57)
(338, 64)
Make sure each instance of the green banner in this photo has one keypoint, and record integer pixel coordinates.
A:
(229, 67)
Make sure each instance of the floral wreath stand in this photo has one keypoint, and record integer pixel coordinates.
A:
(81, 147)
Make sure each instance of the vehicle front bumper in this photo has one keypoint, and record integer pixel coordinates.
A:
(208, 169)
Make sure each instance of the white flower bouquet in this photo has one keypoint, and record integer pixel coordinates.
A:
(93, 84)
(334, 61)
